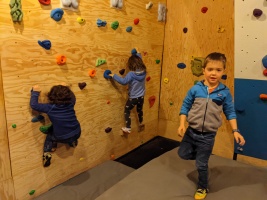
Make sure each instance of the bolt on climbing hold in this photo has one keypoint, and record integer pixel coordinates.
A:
(157, 61)
(166, 80)
(80, 20)
(14, 125)
(82, 85)
(108, 129)
(92, 73)
(31, 192)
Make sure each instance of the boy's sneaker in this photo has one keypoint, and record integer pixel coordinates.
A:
(141, 127)
(201, 193)
(126, 130)
(47, 159)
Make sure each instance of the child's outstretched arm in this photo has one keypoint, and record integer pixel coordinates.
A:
(35, 92)
(238, 137)
(123, 81)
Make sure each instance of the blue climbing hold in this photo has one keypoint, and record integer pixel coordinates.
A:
(101, 23)
(45, 44)
(133, 51)
(57, 14)
(107, 74)
(264, 61)
(38, 118)
(129, 29)
(181, 65)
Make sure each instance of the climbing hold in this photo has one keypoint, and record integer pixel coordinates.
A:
(108, 129)
(80, 20)
(38, 118)
(195, 82)
(46, 44)
(100, 23)
(31, 192)
(116, 3)
(61, 59)
(122, 71)
(161, 12)
(108, 101)
(129, 29)
(185, 30)
(99, 62)
(81, 159)
(204, 9)
(181, 65)
(57, 14)
(166, 80)
(148, 78)
(257, 12)
(196, 66)
(92, 73)
(224, 77)
(157, 61)
(82, 85)
(145, 53)
(151, 101)
(264, 61)
(15, 10)
(107, 74)
(112, 157)
(45, 2)
(133, 51)
(14, 125)
(115, 25)
(149, 5)
(136, 21)
(263, 96)
(46, 129)
(220, 29)
(171, 103)
(70, 3)
(265, 72)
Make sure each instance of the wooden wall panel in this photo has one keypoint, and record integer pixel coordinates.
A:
(201, 39)
(25, 63)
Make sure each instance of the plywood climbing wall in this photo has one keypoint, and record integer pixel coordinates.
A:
(24, 63)
(206, 32)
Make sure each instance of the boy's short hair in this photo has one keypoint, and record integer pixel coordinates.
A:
(215, 56)
(60, 94)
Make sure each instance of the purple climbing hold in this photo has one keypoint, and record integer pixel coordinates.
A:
(108, 129)
(185, 30)
(224, 77)
(122, 71)
(181, 65)
(257, 12)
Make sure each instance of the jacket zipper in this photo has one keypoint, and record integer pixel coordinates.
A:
(205, 109)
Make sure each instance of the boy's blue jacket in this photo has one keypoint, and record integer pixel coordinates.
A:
(63, 118)
(135, 81)
(203, 110)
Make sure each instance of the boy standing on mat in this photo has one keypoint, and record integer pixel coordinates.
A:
(202, 107)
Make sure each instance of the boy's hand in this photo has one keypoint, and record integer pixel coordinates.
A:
(181, 131)
(239, 138)
(36, 88)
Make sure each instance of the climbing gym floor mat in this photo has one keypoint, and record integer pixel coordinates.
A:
(168, 177)
(89, 184)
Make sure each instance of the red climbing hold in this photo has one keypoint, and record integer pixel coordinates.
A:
(265, 72)
(136, 21)
(148, 78)
(151, 100)
(204, 9)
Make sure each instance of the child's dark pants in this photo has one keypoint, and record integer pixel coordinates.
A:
(198, 146)
(138, 102)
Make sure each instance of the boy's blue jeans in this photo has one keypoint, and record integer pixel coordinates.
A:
(198, 146)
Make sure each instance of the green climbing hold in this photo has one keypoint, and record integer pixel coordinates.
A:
(197, 66)
(99, 62)
(46, 129)
(14, 125)
(171, 103)
(31, 192)
(157, 61)
(115, 25)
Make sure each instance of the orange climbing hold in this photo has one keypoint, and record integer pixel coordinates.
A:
(61, 59)
(92, 73)
(151, 100)
(263, 96)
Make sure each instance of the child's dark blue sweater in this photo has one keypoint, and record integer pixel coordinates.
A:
(63, 117)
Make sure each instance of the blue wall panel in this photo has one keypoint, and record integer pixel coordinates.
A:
(251, 116)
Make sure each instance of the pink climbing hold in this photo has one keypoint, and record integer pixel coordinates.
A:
(204, 9)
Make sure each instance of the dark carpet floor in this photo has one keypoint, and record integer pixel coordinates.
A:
(147, 151)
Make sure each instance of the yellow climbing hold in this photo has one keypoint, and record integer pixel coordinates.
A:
(81, 159)
(80, 20)
(166, 80)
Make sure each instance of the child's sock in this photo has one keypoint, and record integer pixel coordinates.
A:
(126, 130)
(47, 159)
